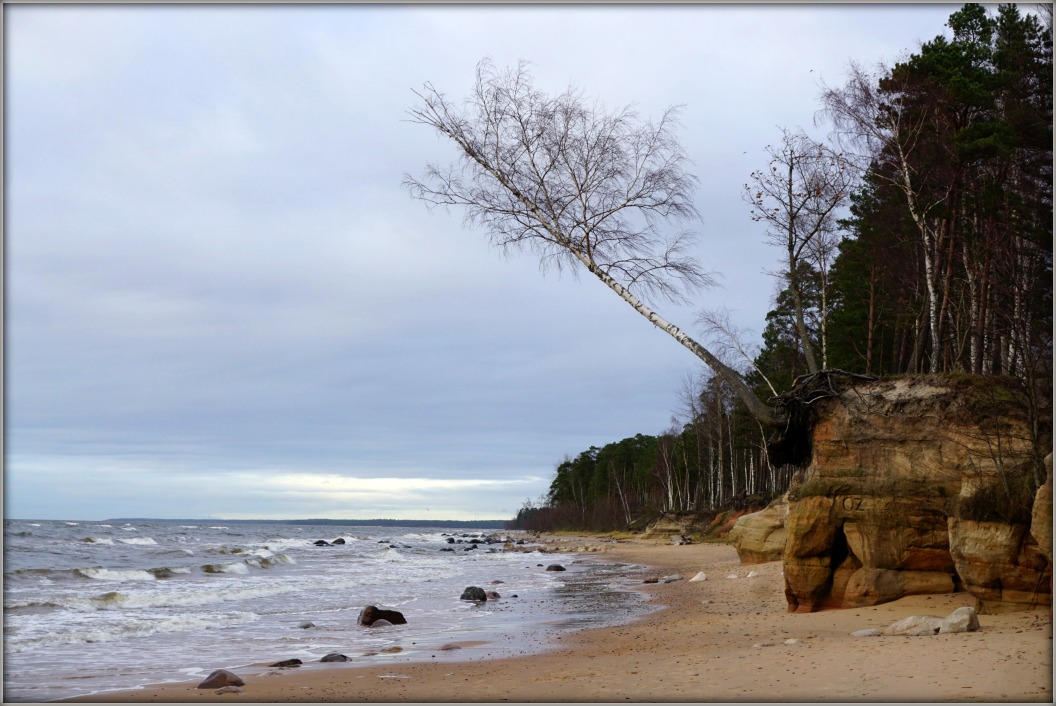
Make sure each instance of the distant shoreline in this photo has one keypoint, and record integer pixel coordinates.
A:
(450, 524)
(468, 524)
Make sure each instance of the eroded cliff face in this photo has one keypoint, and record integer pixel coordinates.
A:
(918, 485)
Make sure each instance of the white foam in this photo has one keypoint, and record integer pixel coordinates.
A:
(132, 627)
(98, 540)
(138, 540)
(116, 574)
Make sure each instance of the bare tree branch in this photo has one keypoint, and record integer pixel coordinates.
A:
(578, 187)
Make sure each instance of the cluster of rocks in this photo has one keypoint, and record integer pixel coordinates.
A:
(472, 542)
(480, 539)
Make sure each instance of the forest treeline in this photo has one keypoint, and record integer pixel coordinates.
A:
(916, 239)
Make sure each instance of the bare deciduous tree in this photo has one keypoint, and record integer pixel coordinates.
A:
(576, 185)
(797, 198)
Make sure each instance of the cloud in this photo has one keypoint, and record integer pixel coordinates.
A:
(212, 269)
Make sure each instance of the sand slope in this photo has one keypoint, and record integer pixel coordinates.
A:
(719, 640)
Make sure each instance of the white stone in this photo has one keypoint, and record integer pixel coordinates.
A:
(752, 574)
(964, 619)
(871, 632)
(791, 641)
(732, 576)
(699, 577)
(915, 625)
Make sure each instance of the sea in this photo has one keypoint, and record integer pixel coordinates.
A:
(92, 607)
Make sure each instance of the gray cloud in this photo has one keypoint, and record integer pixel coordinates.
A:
(214, 280)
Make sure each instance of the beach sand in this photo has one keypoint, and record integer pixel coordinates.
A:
(719, 640)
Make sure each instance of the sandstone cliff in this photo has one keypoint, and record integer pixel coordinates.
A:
(915, 485)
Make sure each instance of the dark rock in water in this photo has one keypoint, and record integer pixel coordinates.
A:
(497, 581)
(450, 646)
(474, 593)
(370, 614)
(470, 547)
(339, 540)
(475, 541)
(555, 567)
(447, 549)
(287, 663)
(306, 624)
(652, 579)
(221, 677)
(450, 540)
(334, 657)
(322, 543)
(492, 595)
(514, 595)
(381, 623)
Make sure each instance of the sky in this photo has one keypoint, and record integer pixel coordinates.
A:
(221, 303)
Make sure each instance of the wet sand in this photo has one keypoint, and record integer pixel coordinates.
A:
(719, 640)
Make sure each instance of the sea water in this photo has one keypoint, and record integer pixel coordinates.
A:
(99, 606)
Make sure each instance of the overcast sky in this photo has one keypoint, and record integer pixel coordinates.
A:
(220, 303)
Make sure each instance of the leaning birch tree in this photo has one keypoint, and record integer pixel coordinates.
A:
(579, 186)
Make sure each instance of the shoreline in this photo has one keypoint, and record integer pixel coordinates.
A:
(719, 640)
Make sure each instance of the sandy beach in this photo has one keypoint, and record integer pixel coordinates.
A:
(719, 640)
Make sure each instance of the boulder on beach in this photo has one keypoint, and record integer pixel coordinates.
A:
(370, 614)
(334, 657)
(219, 678)
(759, 537)
(287, 663)
(492, 595)
(964, 619)
(699, 577)
(555, 567)
(914, 625)
(474, 593)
